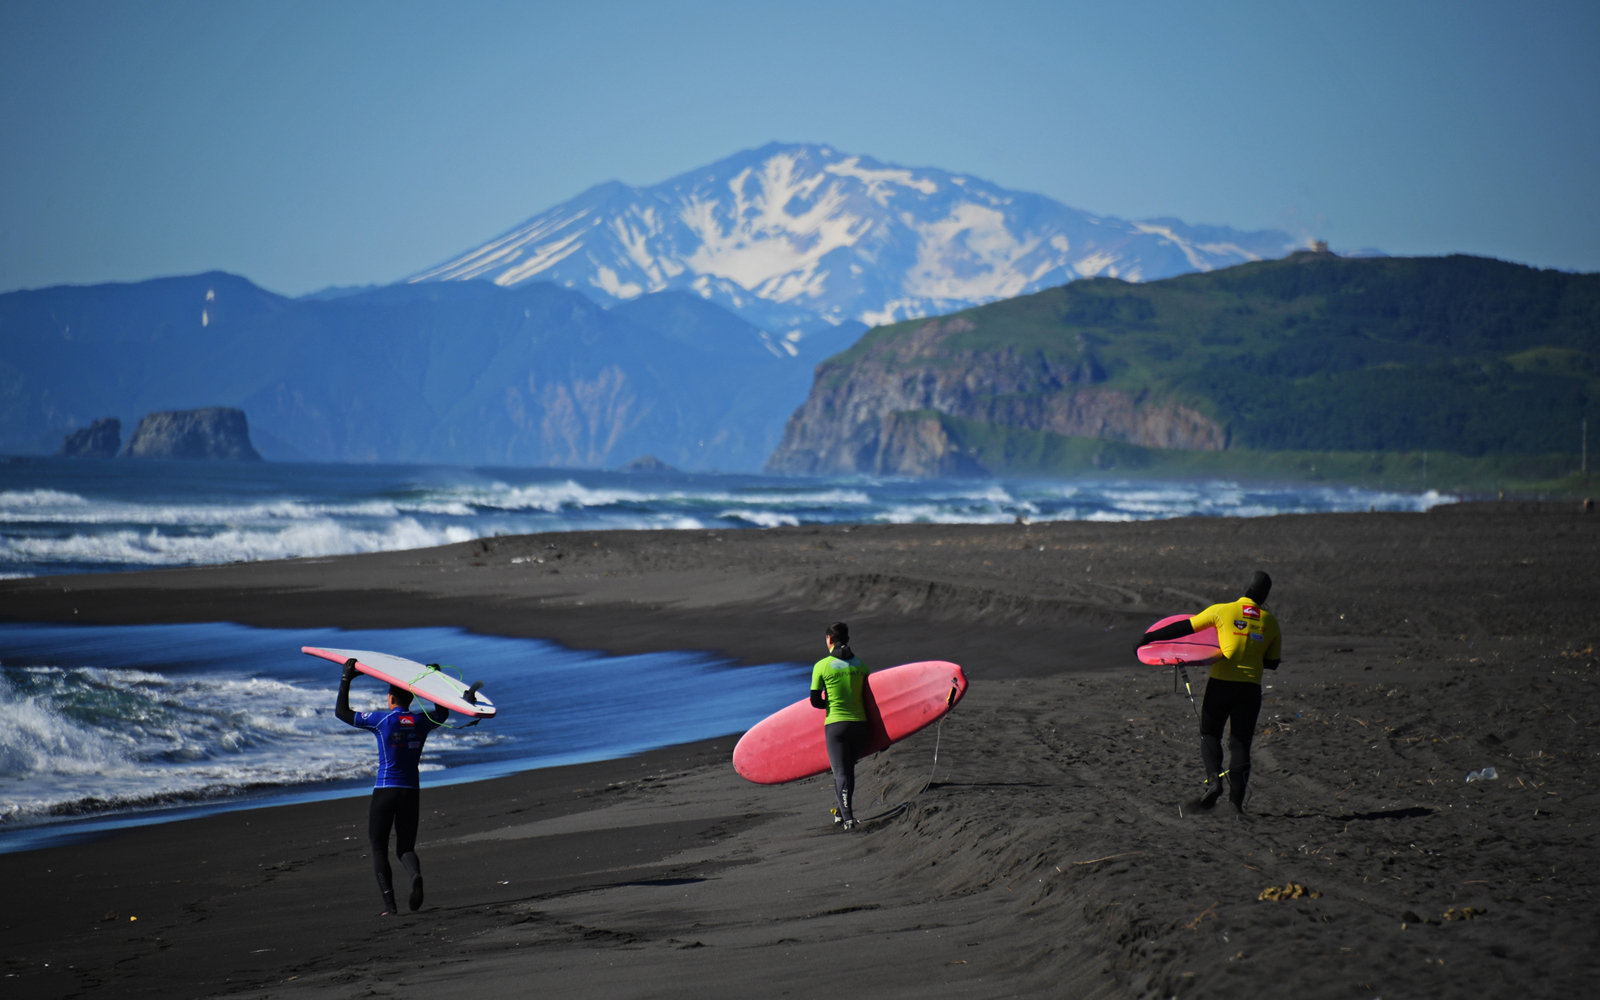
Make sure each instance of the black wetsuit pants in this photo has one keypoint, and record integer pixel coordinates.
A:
(396, 809)
(1236, 705)
(844, 741)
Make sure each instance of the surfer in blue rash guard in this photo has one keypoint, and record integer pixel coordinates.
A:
(396, 794)
(839, 685)
(1250, 641)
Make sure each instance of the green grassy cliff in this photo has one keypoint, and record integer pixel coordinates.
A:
(1455, 372)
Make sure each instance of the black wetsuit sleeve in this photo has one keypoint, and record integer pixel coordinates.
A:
(1271, 664)
(341, 707)
(817, 700)
(1176, 630)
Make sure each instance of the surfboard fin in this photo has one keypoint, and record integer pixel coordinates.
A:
(471, 693)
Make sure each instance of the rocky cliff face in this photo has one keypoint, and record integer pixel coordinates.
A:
(883, 411)
(217, 432)
(100, 439)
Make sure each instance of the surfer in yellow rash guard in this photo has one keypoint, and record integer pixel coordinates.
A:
(1250, 642)
(839, 684)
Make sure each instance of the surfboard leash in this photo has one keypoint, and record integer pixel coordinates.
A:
(444, 723)
(938, 733)
(1188, 689)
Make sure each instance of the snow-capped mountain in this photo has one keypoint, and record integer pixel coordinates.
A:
(797, 238)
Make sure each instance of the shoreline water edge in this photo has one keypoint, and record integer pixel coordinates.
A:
(1030, 845)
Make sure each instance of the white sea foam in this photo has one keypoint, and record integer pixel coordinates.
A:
(115, 512)
(124, 518)
(38, 741)
(153, 547)
(79, 741)
(935, 514)
(762, 518)
(1111, 516)
(83, 736)
(16, 504)
(90, 739)
(799, 498)
(551, 497)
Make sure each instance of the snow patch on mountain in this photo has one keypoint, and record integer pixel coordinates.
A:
(879, 181)
(799, 237)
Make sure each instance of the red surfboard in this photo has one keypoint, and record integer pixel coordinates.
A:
(787, 745)
(1196, 649)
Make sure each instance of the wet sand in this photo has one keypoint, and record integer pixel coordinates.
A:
(1040, 854)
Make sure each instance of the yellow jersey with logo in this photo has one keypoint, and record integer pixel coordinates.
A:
(1247, 634)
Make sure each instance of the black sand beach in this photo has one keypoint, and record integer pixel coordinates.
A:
(1045, 857)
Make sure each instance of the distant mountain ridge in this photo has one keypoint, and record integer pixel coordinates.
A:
(681, 321)
(797, 238)
(460, 373)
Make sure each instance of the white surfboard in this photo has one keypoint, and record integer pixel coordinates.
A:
(423, 680)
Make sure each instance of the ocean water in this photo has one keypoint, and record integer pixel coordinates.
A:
(81, 516)
(106, 726)
(103, 726)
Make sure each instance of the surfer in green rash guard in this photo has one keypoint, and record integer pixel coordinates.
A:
(839, 684)
(396, 796)
(1250, 642)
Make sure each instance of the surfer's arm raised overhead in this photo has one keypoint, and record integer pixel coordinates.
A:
(341, 707)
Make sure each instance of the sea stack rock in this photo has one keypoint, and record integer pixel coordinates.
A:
(647, 463)
(100, 439)
(216, 432)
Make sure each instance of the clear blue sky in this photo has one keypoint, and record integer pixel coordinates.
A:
(343, 142)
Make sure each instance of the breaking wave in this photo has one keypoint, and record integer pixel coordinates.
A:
(66, 517)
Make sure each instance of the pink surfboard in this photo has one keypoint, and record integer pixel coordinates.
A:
(1196, 649)
(787, 745)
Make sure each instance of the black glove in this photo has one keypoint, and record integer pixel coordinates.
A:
(350, 670)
